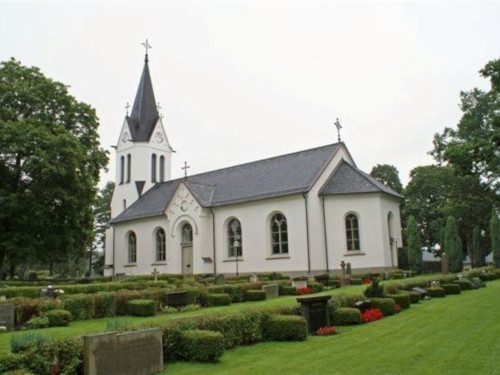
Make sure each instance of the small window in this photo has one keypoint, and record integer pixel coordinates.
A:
(132, 248)
(129, 167)
(153, 168)
(352, 233)
(279, 234)
(161, 254)
(235, 240)
(187, 233)
(162, 168)
(122, 169)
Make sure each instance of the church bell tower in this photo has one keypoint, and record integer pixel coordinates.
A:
(143, 153)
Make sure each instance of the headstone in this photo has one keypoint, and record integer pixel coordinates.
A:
(348, 269)
(342, 265)
(315, 311)
(299, 284)
(7, 316)
(345, 280)
(362, 305)
(119, 277)
(445, 264)
(386, 275)
(272, 290)
(220, 279)
(176, 299)
(254, 278)
(130, 353)
(155, 274)
(420, 290)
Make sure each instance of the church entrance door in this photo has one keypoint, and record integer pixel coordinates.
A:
(187, 249)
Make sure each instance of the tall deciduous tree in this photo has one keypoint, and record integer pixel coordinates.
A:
(495, 237)
(453, 245)
(50, 161)
(414, 245)
(477, 249)
(388, 175)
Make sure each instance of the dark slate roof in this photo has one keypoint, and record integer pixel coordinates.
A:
(347, 179)
(278, 176)
(144, 114)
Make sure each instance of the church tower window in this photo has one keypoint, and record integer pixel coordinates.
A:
(132, 248)
(161, 253)
(162, 168)
(235, 241)
(129, 167)
(352, 233)
(122, 169)
(153, 168)
(279, 234)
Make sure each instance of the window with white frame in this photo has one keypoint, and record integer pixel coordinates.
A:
(153, 168)
(279, 234)
(234, 238)
(132, 248)
(352, 232)
(161, 250)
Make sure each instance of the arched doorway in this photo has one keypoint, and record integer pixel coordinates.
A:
(187, 249)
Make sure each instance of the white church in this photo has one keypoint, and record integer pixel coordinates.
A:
(297, 214)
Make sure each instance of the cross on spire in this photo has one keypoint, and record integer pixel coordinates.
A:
(146, 46)
(127, 107)
(338, 126)
(185, 169)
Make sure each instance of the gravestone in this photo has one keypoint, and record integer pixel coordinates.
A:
(345, 280)
(176, 299)
(254, 278)
(348, 269)
(445, 264)
(220, 279)
(423, 292)
(272, 290)
(7, 316)
(130, 353)
(362, 305)
(119, 277)
(155, 274)
(299, 284)
(315, 311)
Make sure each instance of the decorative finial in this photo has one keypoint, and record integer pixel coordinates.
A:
(338, 126)
(185, 169)
(146, 46)
(127, 107)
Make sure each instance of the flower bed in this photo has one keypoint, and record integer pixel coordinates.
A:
(371, 315)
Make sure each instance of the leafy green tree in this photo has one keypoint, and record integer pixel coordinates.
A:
(453, 245)
(50, 161)
(414, 245)
(495, 237)
(388, 175)
(477, 248)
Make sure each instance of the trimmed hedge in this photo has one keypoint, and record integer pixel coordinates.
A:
(201, 345)
(402, 299)
(451, 288)
(345, 300)
(218, 299)
(284, 328)
(237, 329)
(104, 304)
(81, 306)
(436, 291)
(345, 315)
(415, 297)
(255, 295)
(287, 290)
(316, 287)
(141, 307)
(464, 284)
(385, 305)
(58, 318)
(356, 281)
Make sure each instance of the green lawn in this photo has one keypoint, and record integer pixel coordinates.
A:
(451, 335)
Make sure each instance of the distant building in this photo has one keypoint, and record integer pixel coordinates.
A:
(298, 213)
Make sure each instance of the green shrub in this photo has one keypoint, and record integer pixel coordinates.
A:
(436, 291)
(251, 286)
(21, 292)
(234, 291)
(52, 304)
(385, 305)
(402, 299)
(345, 315)
(255, 295)
(219, 299)
(20, 341)
(58, 318)
(464, 284)
(316, 287)
(104, 304)
(141, 307)
(25, 309)
(121, 299)
(38, 322)
(203, 346)
(356, 281)
(415, 297)
(451, 288)
(192, 295)
(374, 290)
(81, 306)
(237, 329)
(286, 290)
(284, 328)
(11, 362)
(345, 300)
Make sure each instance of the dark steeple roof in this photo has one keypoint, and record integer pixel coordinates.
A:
(144, 114)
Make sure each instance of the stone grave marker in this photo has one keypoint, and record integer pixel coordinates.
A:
(254, 278)
(7, 316)
(130, 353)
(345, 280)
(315, 311)
(445, 264)
(423, 292)
(299, 282)
(362, 305)
(272, 290)
(220, 279)
(176, 299)
(348, 269)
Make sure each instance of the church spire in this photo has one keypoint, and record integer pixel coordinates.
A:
(144, 114)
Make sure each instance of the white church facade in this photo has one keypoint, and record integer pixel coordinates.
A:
(301, 213)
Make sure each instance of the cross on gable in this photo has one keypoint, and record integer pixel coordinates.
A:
(338, 126)
(185, 168)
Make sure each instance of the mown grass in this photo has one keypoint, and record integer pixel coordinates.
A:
(452, 335)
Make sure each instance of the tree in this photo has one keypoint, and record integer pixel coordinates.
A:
(414, 245)
(388, 175)
(50, 161)
(477, 249)
(453, 245)
(495, 238)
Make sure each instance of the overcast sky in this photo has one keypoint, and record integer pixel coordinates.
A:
(244, 80)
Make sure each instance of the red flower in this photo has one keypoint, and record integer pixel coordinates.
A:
(305, 290)
(371, 315)
(397, 308)
(326, 331)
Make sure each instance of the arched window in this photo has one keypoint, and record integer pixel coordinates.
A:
(132, 248)
(129, 167)
(234, 238)
(279, 234)
(187, 233)
(153, 168)
(122, 169)
(352, 232)
(162, 168)
(161, 254)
